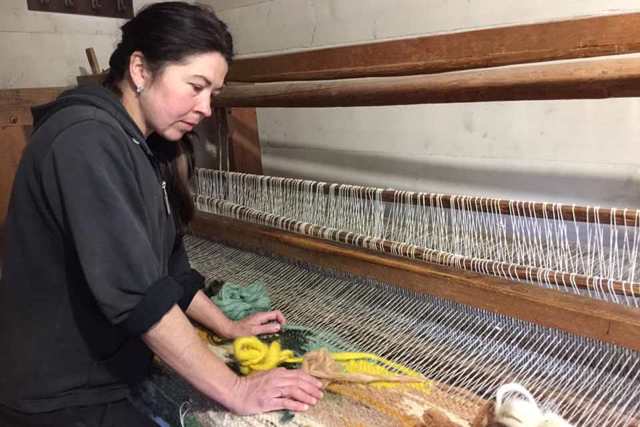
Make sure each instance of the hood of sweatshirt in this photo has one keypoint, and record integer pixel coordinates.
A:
(93, 95)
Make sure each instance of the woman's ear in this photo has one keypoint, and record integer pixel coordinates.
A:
(138, 71)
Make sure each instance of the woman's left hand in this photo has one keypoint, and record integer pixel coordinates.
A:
(267, 322)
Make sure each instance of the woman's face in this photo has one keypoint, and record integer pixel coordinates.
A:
(180, 94)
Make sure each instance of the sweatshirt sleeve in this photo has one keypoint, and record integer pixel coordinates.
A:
(90, 182)
(180, 269)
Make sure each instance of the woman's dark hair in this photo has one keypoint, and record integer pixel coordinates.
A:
(165, 33)
(177, 164)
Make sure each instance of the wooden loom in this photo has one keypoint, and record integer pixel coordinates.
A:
(512, 63)
(503, 64)
(461, 67)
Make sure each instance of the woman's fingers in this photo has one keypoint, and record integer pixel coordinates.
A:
(302, 381)
(267, 328)
(269, 316)
(299, 394)
(280, 317)
(267, 322)
(278, 389)
(289, 404)
(295, 388)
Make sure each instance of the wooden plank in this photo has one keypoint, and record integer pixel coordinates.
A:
(244, 142)
(93, 60)
(106, 8)
(2, 245)
(217, 127)
(581, 79)
(15, 126)
(575, 38)
(15, 104)
(578, 315)
(13, 140)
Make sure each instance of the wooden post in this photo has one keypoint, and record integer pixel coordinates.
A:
(93, 60)
(244, 142)
(235, 133)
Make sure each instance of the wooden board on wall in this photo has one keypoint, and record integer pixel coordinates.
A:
(15, 128)
(104, 8)
(15, 104)
(13, 140)
(576, 38)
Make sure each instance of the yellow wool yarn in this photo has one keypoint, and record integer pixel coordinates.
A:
(366, 363)
(254, 355)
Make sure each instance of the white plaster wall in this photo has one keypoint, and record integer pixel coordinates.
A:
(39, 49)
(570, 151)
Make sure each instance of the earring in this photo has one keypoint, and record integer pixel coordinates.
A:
(139, 89)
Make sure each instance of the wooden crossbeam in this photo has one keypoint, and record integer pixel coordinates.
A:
(575, 38)
(581, 79)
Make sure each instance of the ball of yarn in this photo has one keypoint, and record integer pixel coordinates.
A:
(254, 355)
(238, 302)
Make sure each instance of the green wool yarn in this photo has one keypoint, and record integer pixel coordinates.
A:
(238, 302)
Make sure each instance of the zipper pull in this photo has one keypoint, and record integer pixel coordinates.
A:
(166, 197)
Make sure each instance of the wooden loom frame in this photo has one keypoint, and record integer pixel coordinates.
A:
(501, 64)
(509, 63)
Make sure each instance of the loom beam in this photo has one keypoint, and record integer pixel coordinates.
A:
(581, 79)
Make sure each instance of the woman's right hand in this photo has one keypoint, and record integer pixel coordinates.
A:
(277, 389)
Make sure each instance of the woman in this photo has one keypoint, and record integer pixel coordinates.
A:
(96, 278)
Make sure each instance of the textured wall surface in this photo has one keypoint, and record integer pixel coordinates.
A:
(40, 49)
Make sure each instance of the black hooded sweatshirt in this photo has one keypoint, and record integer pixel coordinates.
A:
(92, 261)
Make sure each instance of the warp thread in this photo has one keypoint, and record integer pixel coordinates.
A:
(238, 302)
(185, 419)
(517, 412)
